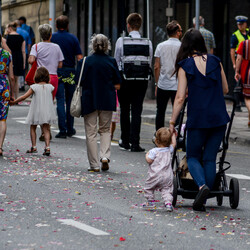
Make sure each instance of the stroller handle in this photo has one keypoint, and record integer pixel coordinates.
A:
(226, 138)
(230, 98)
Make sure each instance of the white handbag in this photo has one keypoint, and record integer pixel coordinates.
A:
(76, 106)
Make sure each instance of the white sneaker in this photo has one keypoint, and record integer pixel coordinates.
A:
(169, 207)
(149, 205)
(94, 169)
(105, 164)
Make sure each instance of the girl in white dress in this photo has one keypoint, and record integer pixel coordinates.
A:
(42, 110)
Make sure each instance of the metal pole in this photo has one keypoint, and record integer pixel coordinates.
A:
(90, 28)
(52, 13)
(148, 19)
(197, 14)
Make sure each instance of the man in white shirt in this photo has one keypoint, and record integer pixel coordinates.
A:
(132, 92)
(166, 83)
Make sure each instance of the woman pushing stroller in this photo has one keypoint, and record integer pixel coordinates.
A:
(203, 76)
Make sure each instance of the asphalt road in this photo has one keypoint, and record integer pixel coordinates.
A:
(55, 203)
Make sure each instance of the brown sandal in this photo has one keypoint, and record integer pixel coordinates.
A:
(46, 151)
(32, 150)
(1, 153)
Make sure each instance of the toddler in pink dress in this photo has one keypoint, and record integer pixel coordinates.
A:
(160, 173)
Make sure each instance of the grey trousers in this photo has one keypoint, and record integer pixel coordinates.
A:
(98, 122)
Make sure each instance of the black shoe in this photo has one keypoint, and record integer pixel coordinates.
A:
(137, 149)
(124, 146)
(105, 164)
(41, 138)
(201, 198)
(61, 135)
(70, 134)
(238, 109)
(201, 209)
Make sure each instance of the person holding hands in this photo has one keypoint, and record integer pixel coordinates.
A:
(160, 172)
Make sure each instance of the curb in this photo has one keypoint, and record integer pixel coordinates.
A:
(234, 137)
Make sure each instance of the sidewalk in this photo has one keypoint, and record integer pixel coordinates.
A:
(240, 133)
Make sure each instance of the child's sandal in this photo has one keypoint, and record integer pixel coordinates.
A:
(46, 151)
(32, 150)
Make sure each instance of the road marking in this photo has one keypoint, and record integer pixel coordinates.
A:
(239, 176)
(19, 118)
(83, 137)
(82, 226)
(23, 122)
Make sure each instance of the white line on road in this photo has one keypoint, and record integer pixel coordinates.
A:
(83, 137)
(23, 122)
(82, 226)
(19, 118)
(239, 176)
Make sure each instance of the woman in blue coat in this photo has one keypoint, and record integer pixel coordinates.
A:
(99, 81)
(203, 76)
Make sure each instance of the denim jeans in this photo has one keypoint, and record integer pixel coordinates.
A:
(202, 148)
(64, 93)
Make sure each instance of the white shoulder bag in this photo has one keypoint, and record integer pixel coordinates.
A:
(76, 106)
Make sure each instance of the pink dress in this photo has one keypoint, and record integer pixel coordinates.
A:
(160, 174)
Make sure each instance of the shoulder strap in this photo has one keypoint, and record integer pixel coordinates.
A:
(80, 77)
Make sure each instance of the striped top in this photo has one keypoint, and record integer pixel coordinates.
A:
(244, 50)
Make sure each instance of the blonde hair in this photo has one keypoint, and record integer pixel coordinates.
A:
(163, 136)
(99, 44)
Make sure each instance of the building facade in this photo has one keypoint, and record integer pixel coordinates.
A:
(109, 18)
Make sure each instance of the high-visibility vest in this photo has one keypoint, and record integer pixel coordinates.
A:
(240, 37)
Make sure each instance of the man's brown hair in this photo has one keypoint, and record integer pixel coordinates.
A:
(163, 136)
(62, 22)
(134, 20)
(42, 75)
(172, 28)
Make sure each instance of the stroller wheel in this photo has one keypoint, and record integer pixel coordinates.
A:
(219, 198)
(174, 191)
(234, 197)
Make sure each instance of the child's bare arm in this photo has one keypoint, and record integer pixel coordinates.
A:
(148, 160)
(173, 140)
(23, 97)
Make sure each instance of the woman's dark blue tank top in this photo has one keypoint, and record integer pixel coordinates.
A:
(206, 105)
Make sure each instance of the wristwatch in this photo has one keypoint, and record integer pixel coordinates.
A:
(156, 85)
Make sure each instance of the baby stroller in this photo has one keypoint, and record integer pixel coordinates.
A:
(185, 186)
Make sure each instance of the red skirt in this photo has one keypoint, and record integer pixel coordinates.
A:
(54, 82)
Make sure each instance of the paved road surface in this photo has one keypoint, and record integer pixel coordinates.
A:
(54, 203)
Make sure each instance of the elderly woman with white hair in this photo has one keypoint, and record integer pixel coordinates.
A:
(48, 55)
(99, 81)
